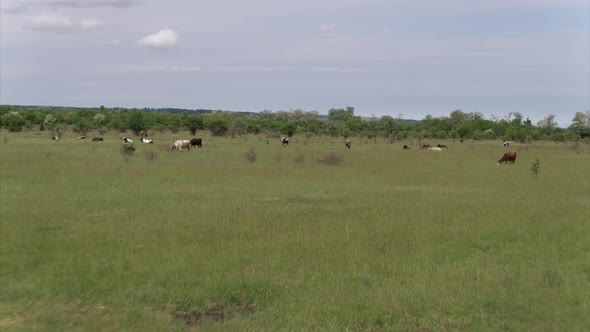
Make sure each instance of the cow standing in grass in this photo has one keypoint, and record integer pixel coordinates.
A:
(348, 143)
(198, 142)
(285, 141)
(180, 144)
(406, 147)
(508, 157)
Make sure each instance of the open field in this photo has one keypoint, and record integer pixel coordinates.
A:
(385, 239)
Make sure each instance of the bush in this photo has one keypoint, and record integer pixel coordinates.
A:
(127, 150)
(332, 159)
(251, 155)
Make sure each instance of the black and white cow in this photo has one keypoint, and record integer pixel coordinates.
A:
(146, 140)
(81, 137)
(506, 144)
(127, 140)
(55, 138)
(285, 141)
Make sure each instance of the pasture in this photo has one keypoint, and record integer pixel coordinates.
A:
(246, 234)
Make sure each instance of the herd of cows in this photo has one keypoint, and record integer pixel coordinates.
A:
(179, 145)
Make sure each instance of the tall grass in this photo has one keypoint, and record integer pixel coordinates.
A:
(389, 239)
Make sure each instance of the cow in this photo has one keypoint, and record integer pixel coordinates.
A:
(127, 140)
(506, 144)
(285, 141)
(146, 140)
(81, 137)
(97, 139)
(406, 147)
(508, 157)
(55, 138)
(425, 146)
(441, 146)
(198, 142)
(348, 143)
(434, 148)
(180, 144)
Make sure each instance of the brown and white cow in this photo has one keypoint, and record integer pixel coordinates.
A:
(348, 143)
(508, 157)
(180, 144)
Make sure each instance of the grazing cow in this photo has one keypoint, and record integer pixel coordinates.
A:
(506, 144)
(55, 138)
(146, 140)
(81, 137)
(441, 146)
(180, 144)
(285, 141)
(127, 140)
(406, 147)
(198, 142)
(425, 146)
(434, 148)
(348, 143)
(97, 139)
(508, 157)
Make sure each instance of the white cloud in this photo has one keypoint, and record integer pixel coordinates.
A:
(60, 24)
(90, 24)
(156, 68)
(17, 6)
(52, 23)
(327, 27)
(164, 39)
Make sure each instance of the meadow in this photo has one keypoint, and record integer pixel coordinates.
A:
(245, 234)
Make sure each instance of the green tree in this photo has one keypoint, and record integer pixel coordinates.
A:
(581, 124)
(194, 123)
(138, 122)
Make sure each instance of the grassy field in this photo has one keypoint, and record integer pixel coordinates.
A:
(309, 237)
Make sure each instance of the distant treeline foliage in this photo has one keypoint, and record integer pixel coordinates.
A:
(338, 122)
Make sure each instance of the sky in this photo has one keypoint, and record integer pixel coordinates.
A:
(408, 58)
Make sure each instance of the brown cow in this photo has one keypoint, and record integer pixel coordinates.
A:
(348, 143)
(198, 142)
(508, 157)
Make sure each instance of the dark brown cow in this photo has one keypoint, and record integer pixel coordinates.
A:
(348, 143)
(197, 142)
(508, 157)
(406, 147)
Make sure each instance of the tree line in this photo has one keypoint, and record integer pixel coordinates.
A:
(338, 122)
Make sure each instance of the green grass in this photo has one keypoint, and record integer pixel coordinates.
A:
(387, 239)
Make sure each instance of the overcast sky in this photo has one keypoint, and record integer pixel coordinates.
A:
(382, 57)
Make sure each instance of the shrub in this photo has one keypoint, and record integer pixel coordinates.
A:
(151, 156)
(299, 158)
(332, 159)
(127, 150)
(251, 155)
(535, 167)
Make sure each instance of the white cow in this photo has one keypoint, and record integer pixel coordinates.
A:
(178, 145)
(146, 140)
